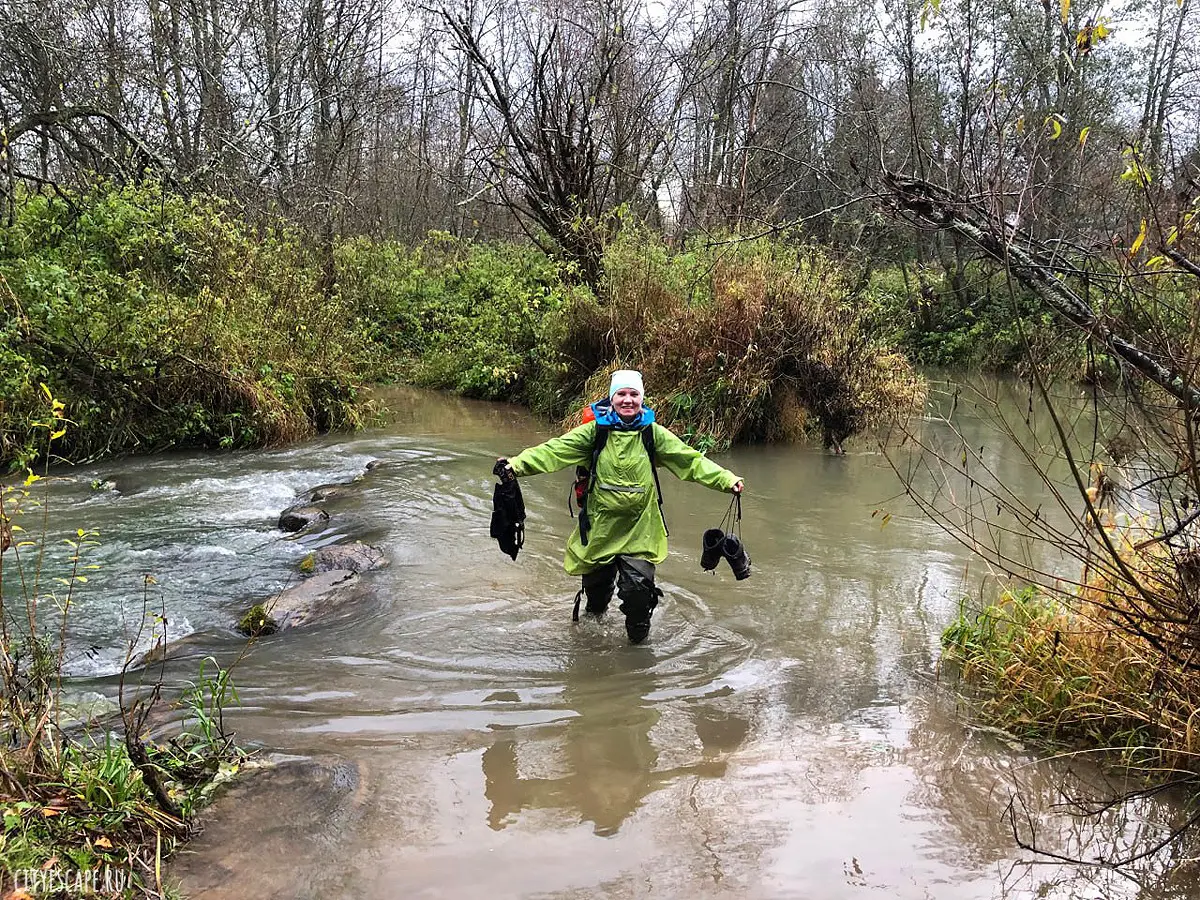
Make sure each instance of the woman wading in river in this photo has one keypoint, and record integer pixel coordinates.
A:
(621, 535)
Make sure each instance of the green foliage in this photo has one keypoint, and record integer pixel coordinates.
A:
(478, 319)
(980, 325)
(164, 321)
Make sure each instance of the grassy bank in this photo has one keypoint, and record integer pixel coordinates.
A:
(1085, 672)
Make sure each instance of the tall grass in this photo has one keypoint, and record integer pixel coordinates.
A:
(1070, 671)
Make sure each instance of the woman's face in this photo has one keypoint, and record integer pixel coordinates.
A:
(627, 402)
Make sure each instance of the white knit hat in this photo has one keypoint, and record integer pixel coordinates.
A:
(625, 378)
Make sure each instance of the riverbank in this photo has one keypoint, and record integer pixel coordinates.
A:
(163, 321)
(1073, 674)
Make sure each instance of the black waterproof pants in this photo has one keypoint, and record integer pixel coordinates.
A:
(633, 579)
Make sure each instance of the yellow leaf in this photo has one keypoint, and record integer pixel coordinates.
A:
(104, 842)
(49, 811)
(46, 391)
(1055, 126)
(31, 478)
(1064, 9)
(55, 435)
(1137, 242)
(1083, 136)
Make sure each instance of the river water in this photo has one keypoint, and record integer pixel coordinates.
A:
(784, 736)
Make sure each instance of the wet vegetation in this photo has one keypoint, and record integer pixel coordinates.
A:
(92, 802)
(165, 321)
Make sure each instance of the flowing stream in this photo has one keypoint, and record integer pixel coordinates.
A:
(785, 736)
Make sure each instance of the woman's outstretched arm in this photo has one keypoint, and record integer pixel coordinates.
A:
(571, 449)
(689, 464)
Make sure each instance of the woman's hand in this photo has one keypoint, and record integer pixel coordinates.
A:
(738, 488)
(503, 469)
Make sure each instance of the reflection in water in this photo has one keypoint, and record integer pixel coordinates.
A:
(608, 757)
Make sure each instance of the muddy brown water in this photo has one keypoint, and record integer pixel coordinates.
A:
(453, 735)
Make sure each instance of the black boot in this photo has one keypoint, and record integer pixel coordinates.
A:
(710, 548)
(639, 596)
(598, 588)
(637, 622)
(638, 609)
(739, 560)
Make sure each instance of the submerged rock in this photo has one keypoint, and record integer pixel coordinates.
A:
(277, 810)
(326, 492)
(355, 557)
(298, 518)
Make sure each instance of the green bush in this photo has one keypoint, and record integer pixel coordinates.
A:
(482, 320)
(163, 320)
(919, 313)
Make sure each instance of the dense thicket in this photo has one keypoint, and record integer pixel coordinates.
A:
(163, 321)
(167, 321)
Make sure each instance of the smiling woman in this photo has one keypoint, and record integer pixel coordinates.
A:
(622, 531)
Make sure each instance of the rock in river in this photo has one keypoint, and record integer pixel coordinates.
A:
(312, 598)
(355, 557)
(297, 518)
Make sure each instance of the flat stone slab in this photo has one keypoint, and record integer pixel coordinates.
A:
(355, 557)
(312, 598)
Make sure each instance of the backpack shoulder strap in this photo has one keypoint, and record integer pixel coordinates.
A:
(648, 443)
(585, 521)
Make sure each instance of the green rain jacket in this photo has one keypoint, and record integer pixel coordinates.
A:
(622, 505)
